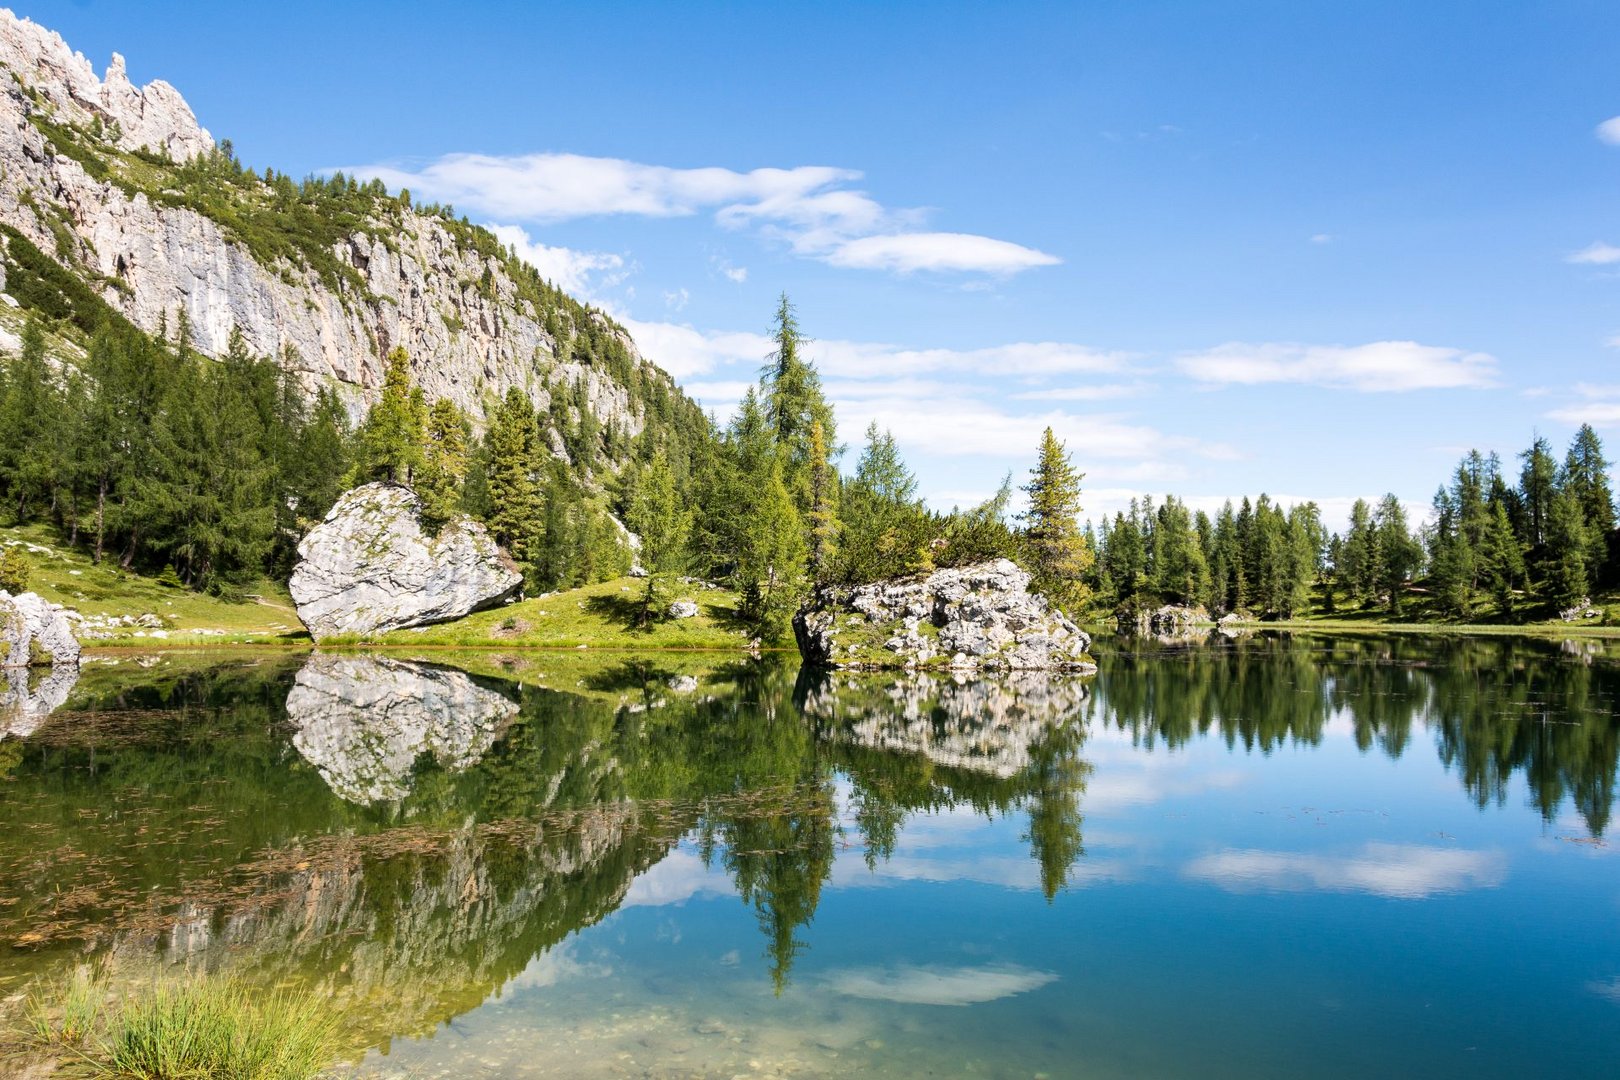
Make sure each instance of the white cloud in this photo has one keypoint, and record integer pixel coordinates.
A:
(1093, 392)
(1322, 238)
(1596, 413)
(575, 272)
(812, 208)
(1394, 366)
(1595, 254)
(1398, 871)
(684, 351)
(677, 300)
(909, 252)
(1609, 131)
(678, 877)
(938, 985)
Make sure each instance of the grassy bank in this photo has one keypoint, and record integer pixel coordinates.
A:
(601, 616)
(68, 576)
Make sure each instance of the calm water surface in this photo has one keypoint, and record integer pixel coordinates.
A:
(1269, 857)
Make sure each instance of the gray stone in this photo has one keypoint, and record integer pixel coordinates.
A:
(364, 721)
(370, 567)
(683, 609)
(965, 618)
(35, 632)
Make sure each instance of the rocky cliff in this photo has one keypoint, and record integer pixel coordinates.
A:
(121, 185)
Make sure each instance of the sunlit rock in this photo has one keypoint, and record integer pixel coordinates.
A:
(363, 722)
(968, 618)
(370, 566)
(35, 632)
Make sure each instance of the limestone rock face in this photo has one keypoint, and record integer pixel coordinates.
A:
(363, 722)
(370, 567)
(151, 260)
(966, 618)
(34, 632)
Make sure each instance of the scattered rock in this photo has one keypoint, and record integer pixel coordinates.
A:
(370, 567)
(967, 618)
(1583, 609)
(34, 632)
(683, 609)
(682, 684)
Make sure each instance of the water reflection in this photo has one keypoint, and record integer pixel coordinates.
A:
(410, 837)
(363, 722)
(29, 695)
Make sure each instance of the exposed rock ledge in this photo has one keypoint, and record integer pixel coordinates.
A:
(980, 617)
(369, 567)
(34, 632)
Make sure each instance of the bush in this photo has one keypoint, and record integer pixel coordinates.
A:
(13, 571)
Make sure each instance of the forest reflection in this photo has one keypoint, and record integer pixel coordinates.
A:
(408, 836)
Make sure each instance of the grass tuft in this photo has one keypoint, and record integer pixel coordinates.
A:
(217, 1029)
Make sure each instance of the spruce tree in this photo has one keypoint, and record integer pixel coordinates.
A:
(443, 468)
(514, 491)
(794, 404)
(663, 524)
(1058, 556)
(1586, 475)
(391, 439)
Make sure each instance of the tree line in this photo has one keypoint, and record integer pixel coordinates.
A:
(1496, 545)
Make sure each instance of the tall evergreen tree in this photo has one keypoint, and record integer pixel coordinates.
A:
(794, 405)
(443, 468)
(514, 490)
(1059, 558)
(391, 438)
(822, 517)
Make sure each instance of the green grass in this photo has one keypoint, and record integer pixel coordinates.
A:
(601, 616)
(218, 1030)
(67, 576)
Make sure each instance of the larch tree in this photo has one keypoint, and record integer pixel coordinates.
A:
(391, 440)
(1057, 551)
(514, 490)
(823, 509)
(443, 471)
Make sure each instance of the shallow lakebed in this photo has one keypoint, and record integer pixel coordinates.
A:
(1276, 856)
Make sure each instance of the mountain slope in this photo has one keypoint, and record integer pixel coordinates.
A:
(124, 189)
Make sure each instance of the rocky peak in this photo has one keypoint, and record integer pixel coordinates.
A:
(153, 117)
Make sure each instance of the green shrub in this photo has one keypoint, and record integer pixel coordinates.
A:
(14, 571)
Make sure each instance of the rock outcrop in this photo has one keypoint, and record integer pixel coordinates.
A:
(370, 567)
(363, 722)
(966, 618)
(35, 632)
(1170, 624)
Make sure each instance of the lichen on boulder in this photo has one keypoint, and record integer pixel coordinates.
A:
(970, 618)
(370, 567)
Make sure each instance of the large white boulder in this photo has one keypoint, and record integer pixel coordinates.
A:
(35, 632)
(371, 567)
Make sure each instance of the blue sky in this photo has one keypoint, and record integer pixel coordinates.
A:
(1221, 248)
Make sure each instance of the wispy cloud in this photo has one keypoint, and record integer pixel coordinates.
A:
(1322, 238)
(1609, 131)
(1399, 871)
(1596, 413)
(1380, 366)
(909, 252)
(813, 208)
(1595, 254)
(938, 985)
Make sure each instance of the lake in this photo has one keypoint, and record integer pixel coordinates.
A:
(1270, 856)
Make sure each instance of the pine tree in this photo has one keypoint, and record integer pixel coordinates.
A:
(1586, 475)
(1567, 549)
(391, 439)
(514, 492)
(822, 517)
(30, 405)
(1059, 558)
(443, 468)
(887, 531)
(1501, 559)
(794, 405)
(663, 524)
(1396, 554)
